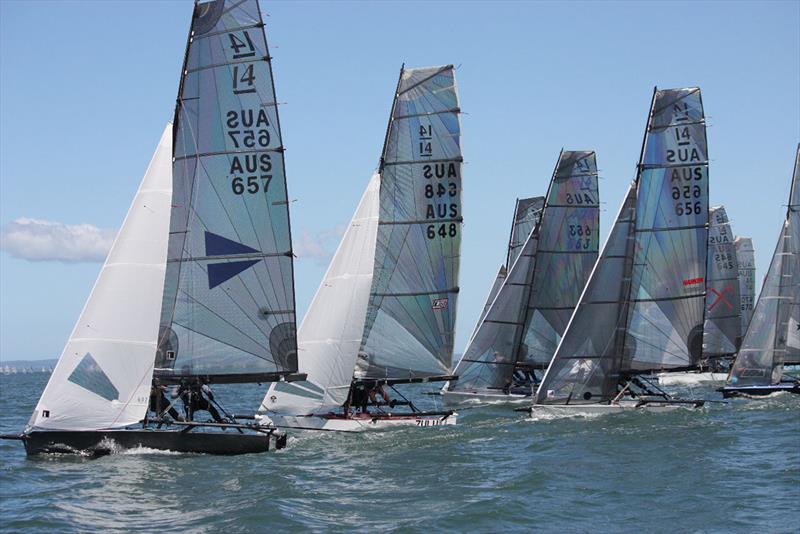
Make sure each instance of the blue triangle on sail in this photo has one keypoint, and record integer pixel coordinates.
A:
(222, 272)
(216, 245)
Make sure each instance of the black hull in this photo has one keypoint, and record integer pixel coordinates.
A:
(100, 443)
(758, 391)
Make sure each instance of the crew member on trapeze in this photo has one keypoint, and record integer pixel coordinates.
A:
(194, 399)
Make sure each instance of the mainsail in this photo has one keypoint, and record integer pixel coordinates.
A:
(102, 379)
(228, 312)
(643, 307)
(410, 320)
(746, 257)
(723, 325)
(773, 337)
(388, 297)
(530, 311)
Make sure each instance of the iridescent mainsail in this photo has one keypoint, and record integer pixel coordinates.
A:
(531, 309)
(773, 337)
(527, 213)
(722, 334)
(228, 312)
(643, 307)
(411, 316)
(746, 256)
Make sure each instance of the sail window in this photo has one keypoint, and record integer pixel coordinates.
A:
(170, 354)
(90, 376)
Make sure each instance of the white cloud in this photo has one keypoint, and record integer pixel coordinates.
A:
(40, 240)
(319, 246)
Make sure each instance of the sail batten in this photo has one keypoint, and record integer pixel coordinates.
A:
(228, 305)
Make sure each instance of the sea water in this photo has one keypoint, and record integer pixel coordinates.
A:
(731, 467)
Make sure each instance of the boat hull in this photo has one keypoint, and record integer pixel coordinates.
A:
(689, 379)
(360, 422)
(564, 410)
(758, 391)
(452, 398)
(99, 443)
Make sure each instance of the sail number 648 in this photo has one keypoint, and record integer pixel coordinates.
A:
(442, 230)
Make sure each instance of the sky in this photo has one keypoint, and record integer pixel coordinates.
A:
(87, 87)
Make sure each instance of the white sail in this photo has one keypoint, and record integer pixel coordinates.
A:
(102, 379)
(330, 335)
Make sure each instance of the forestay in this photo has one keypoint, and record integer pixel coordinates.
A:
(722, 334)
(532, 307)
(772, 339)
(410, 320)
(746, 257)
(643, 307)
(102, 379)
(228, 310)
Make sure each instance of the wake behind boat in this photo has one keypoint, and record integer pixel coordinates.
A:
(643, 308)
(385, 312)
(198, 288)
(518, 333)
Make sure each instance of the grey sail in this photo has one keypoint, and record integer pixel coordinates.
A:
(411, 315)
(746, 257)
(527, 212)
(773, 337)
(532, 307)
(228, 312)
(526, 215)
(586, 365)
(722, 333)
(643, 307)
(567, 251)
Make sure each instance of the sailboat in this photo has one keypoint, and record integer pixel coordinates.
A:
(772, 341)
(642, 310)
(746, 257)
(518, 334)
(198, 286)
(385, 311)
(722, 331)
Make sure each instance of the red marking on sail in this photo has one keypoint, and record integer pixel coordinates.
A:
(721, 297)
(439, 304)
(693, 281)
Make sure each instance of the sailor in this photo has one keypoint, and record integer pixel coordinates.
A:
(194, 399)
(359, 397)
(378, 389)
(159, 402)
